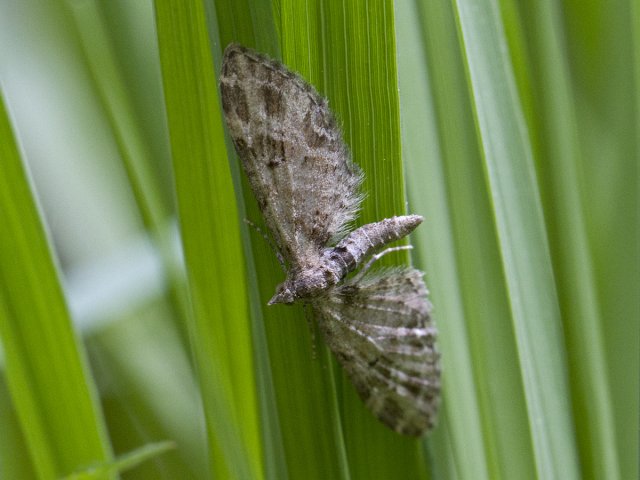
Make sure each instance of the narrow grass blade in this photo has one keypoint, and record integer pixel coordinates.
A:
(554, 121)
(430, 103)
(46, 367)
(122, 463)
(111, 88)
(14, 455)
(603, 62)
(209, 219)
(522, 238)
(350, 57)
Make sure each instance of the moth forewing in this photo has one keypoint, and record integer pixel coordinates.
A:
(292, 151)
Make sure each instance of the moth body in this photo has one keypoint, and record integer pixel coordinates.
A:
(335, 263)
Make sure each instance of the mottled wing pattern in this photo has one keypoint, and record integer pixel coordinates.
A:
(380, 330)
(292, 152)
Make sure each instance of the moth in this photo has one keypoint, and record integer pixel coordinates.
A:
(378, 324)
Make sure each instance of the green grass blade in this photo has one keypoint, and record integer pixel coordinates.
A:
(252, 24)
(485, 423)
(135, 150)
(602, 53)
(45, 364)
(110, 87)
(522, 239)
(554, 120)
(124, 462)
(355, 47)
(152, 391)
(14, 455)
(220, 328)
(429, 29)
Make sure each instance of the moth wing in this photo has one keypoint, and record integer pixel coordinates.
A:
(381, 331)
(291, 150)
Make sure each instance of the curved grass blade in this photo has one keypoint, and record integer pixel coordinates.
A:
(123, 462)
(46, 368)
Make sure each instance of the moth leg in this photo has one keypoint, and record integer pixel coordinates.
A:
(378, 256)
(269, 241)
(310, 317)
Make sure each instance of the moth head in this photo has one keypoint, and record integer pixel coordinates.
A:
(283, 294)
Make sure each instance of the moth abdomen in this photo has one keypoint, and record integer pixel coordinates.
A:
(366, 240)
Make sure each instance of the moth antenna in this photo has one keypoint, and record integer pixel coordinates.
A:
(269, 242)
(378, 256)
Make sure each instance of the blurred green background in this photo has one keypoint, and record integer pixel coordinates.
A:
(133, 296)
